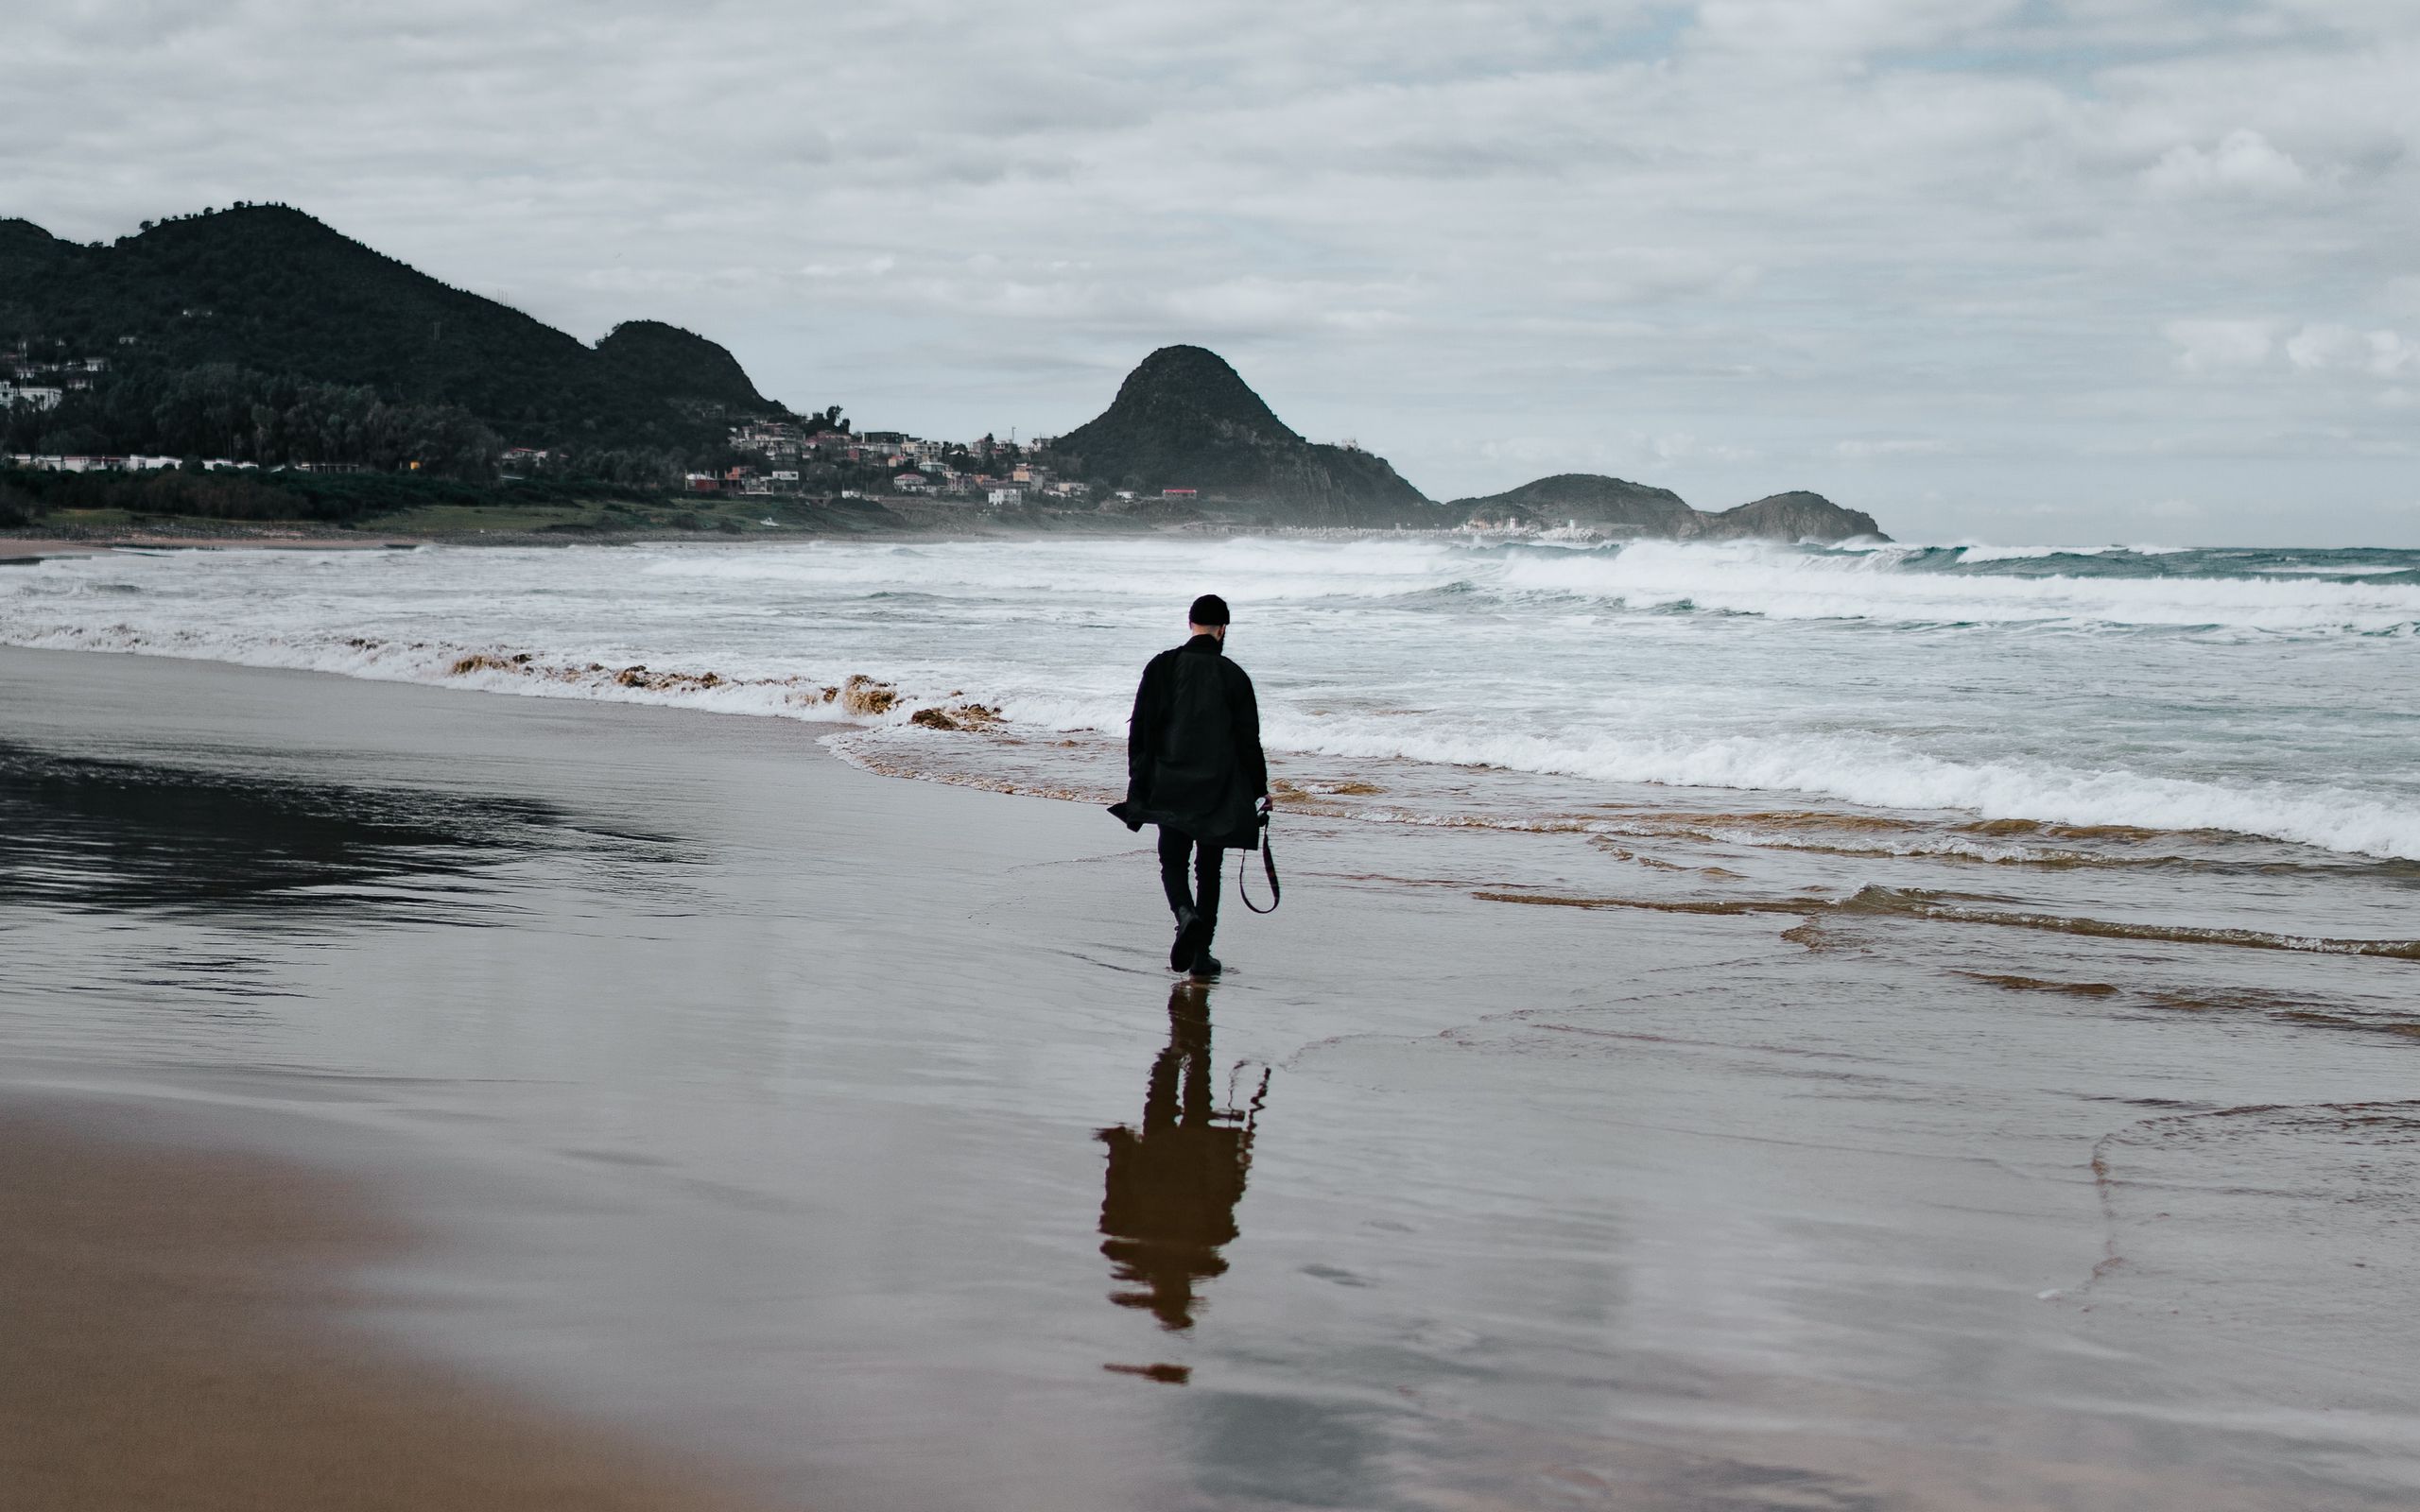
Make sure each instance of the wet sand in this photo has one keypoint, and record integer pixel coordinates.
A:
(21, 549)
(173, 1334)
(34, 548)
(843, 1133)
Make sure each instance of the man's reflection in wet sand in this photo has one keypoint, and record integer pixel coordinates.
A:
(1173, 1184)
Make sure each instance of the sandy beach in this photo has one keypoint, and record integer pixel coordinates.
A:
(422, 1097)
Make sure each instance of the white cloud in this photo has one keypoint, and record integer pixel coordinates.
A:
(2317, 347)
(2243, 162)
(2323, 347)
(2392, 352)
(2221, 345)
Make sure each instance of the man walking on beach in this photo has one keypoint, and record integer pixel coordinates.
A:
(1195, 768)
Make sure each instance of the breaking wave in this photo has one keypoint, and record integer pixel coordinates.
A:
(1896, 584)
(1882, 773)
(1886, 585)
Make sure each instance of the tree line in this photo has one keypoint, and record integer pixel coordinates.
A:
(223, 411)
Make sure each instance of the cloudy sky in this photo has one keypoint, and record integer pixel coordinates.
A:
(2019, 270)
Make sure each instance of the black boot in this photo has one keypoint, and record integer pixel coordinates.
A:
(1191, 935)
(1206, 965)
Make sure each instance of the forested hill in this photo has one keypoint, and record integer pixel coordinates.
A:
(1184, 419)
(269, 291)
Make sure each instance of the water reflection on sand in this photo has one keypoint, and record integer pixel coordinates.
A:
(1173, 1183)
(217, 836)
(102, 834)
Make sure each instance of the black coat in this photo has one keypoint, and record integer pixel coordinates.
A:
(1193, 757)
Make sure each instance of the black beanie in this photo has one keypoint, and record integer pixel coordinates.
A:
(1208, 609)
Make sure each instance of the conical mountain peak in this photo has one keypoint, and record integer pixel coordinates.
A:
(1185, 420)
(1195, 387)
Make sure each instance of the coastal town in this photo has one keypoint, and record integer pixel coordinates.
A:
(780, 459)
(780, 456)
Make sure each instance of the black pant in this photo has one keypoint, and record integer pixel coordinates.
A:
(1202, 897)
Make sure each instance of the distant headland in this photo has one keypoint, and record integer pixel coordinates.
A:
(254, 365)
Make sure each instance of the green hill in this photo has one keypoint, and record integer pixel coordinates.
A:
(269, 291)
(1184, 419)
